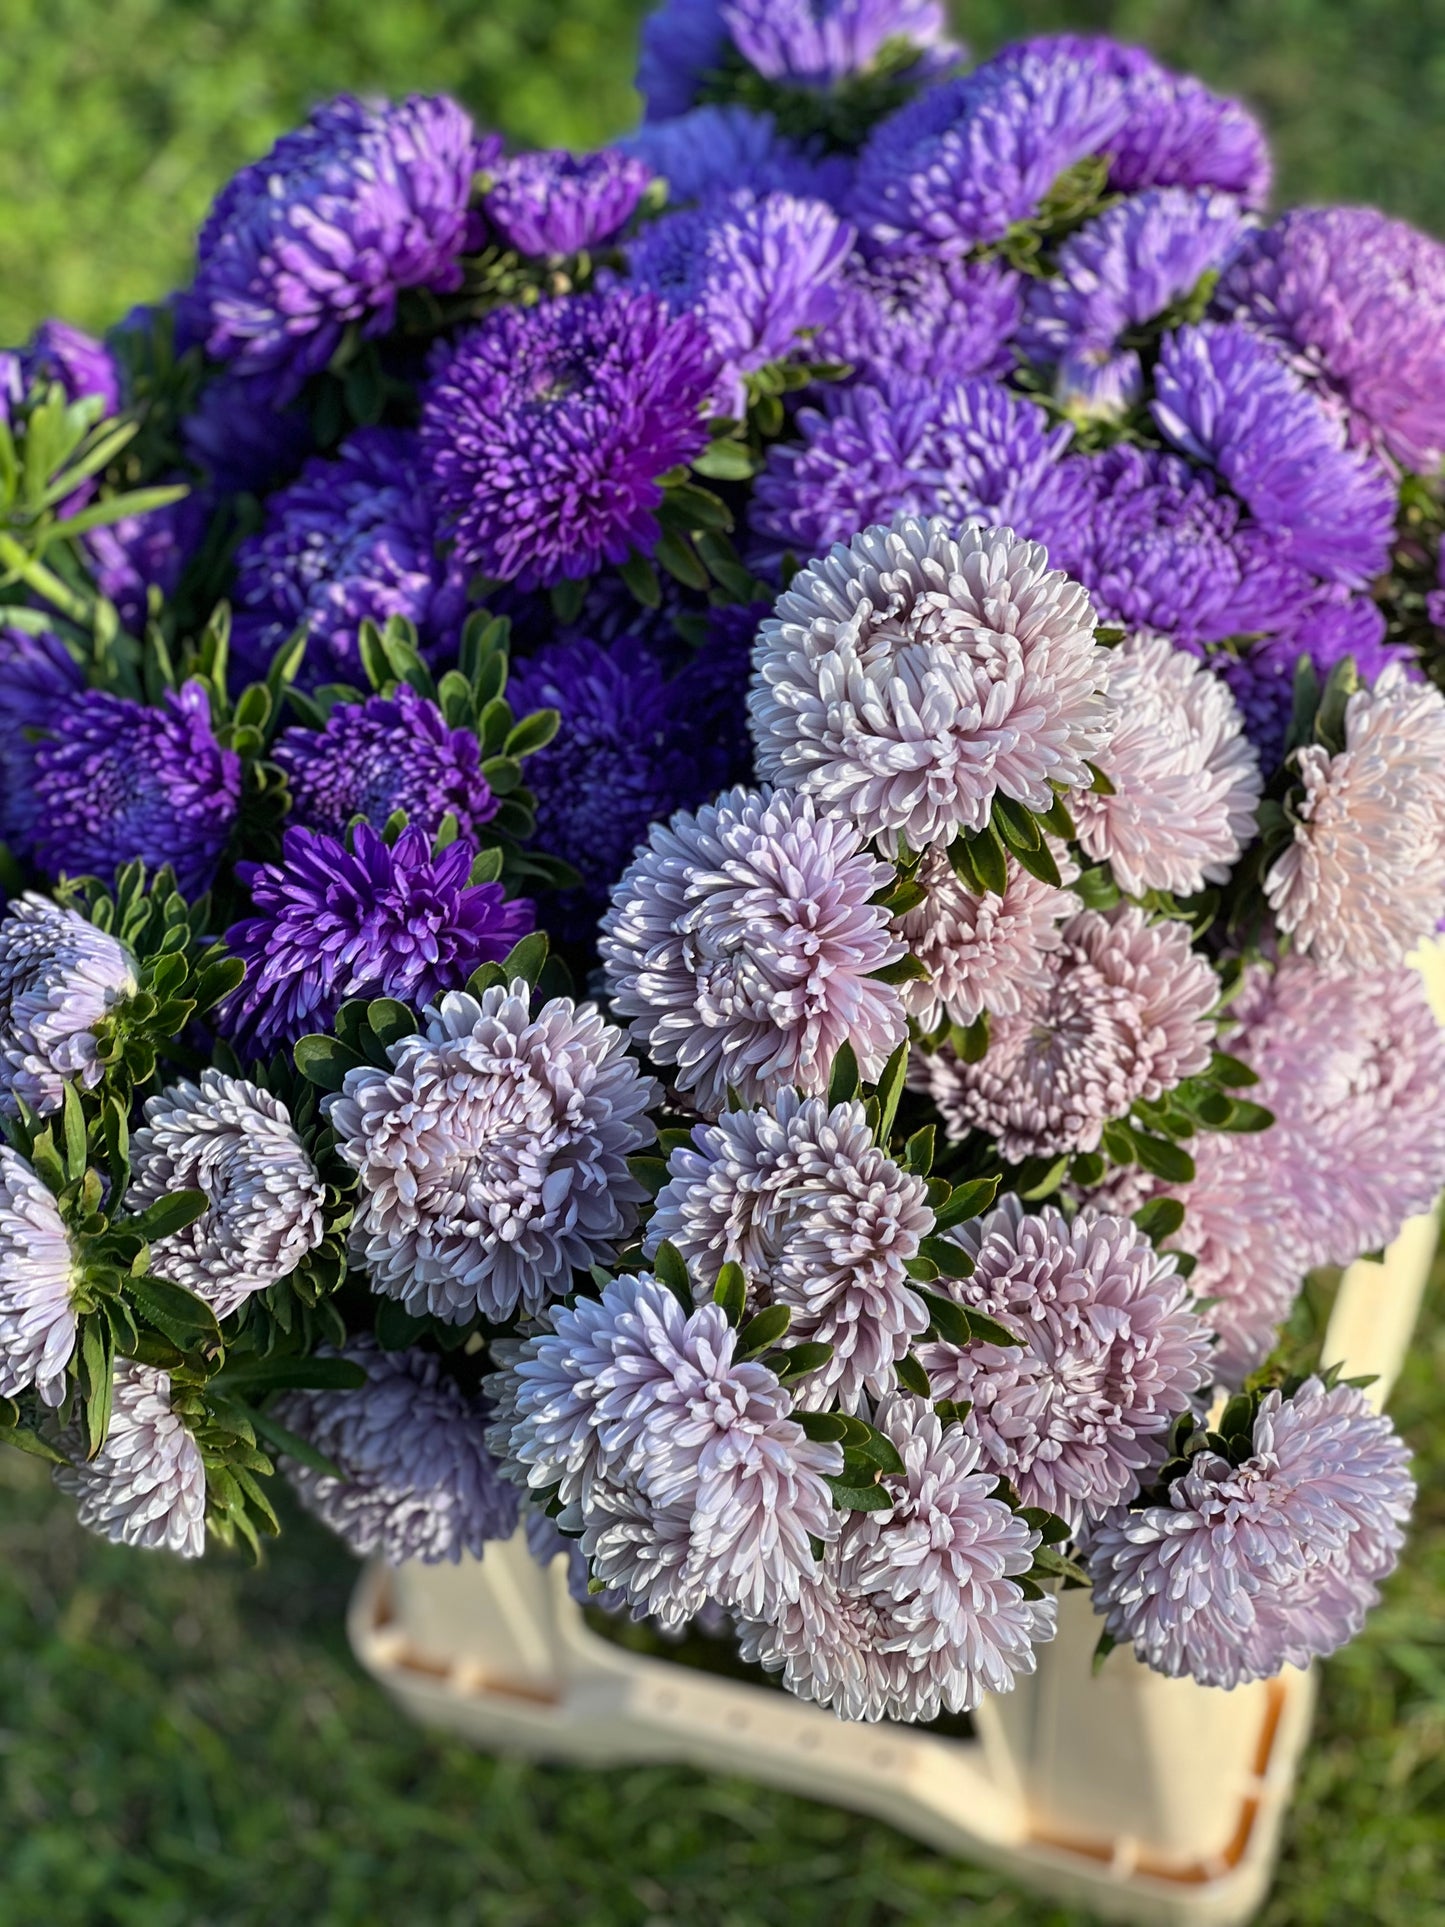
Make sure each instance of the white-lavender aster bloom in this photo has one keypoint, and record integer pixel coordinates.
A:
(235, 1142)
(1110, 1352)
(1125, 1015)
(820, 1218)
(982, 953)
(147, 1484)
(493, 1154)
(59, 978)
(1270, 1563)
(741, 944)
(37, 1279)
(1364, 879)
(417, 1480)
(917, 1610)
(907, 678)
(1185, 777)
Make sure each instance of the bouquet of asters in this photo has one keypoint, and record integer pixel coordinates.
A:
(710, 851)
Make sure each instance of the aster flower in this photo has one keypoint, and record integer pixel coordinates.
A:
(1364, 878)
(1269, 1563)
(553, 202)
(374, 920)
(742, 943)
(417, 1481)
(60, 978)
(732, 146)
(1110, 1352)
(41, 679)
(493, 1154)
(1336, 623)
(920, 315)
(820, 1218)
(119, 780)
(350, 540)
(130, 557)
(915, 1611)
(236, 1143)
(758, 270)
(1125, 1016)
(1355, 299)
(389, 753)
(1185, 778)
(1223, 396)
(38, 1274)
(1177, 132)
(546, 428)
(147, 1484)
(983, 953)
(240, 441)
(357, 205)
(909, 678)
(83, 366)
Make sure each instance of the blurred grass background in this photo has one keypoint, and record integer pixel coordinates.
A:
(195, 1748)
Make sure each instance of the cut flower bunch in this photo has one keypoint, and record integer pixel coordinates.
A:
(710, 851)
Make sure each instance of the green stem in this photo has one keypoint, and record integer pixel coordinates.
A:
(26, 568)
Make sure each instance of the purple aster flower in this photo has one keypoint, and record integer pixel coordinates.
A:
(728, 147)
(1109, 1352)
(417, 1481)
(546, 428)
(41, 680)
(242, 443)
(553, 202)
(326, 232)
(139, 553)
(1177, 132)
(82, 365)
(389, 753)
(1224, 397)
(38, 1275)
(1269, 1563)
(1357, 301)
(757, 270)
(921, 315)
(146, 1486)
(349, 540)
(118, 780)
(60, 979)
(375, 920)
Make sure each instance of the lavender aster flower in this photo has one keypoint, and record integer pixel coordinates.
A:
(326, 232)
(235, 1143)
(389, 753)
(727, 147)
(147, 1484)
(921, 315)
(38, 1274)
(417, 1481)
(1126, 1015)
(742, 943)
(546, 429)
(1269, 1563)
(553, 202)
(1109, 1352)
(139, 553)
(1179, 133)
(83, 366)
(909, 678)
(60, 978)
(820, 1218)
(119, 780)
(493, 1154)
(375, 920)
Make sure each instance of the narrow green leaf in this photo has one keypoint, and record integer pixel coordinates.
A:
(890, 1087)
(75, 1134)
(168, 1215)
(670, 1268)
(390, 1020)
(990, 861)
(731, 1292)
(1163, 1159)
(763, 1330)
(843, 1082)
(966, 1201)
(798, 1360)
(534, 732)
(952, 1261)
(918, 1152)
(525, 959)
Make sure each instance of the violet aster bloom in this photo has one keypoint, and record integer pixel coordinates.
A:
(921, 315)
(41, 680)
(742, 945)
(139, 553)
(493, 1153)
(82, 365)
(545, 429)
(350, 539)
(820, 1218)
(1177, 132)
(374, 920)
(1269, 1563)
(727, 147)
(240, 441)
(1334, 624)
(909, 678)
(1126, 1015)
(1224, 397)
(389, 753)
(119, 780)
(60, 978)
(147, 1484)
(357, 205)
(758, 270)
(38, 1276)
(417, 1481)
(553, 202)
(1357, 300)
(1109, 1352)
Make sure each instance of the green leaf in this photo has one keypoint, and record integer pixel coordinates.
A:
(824, 1428)
(1160, 1218)
(878, 1449)
(1055, 1566)
(960, 857)
(952, 1411)
(1245, 1116)
(324, 1061)
(168, 1215)
(724, 461)
(969, 1042)
(186, 1320)
(1096, 888)
(487, 867)
(1040, 1177)
(989, 1331)
(1040, 863)
(650, 1173)
(949, 1320)
(218, 980)
(670, 1268)
(843, 1082)
(641, 578)
(98, 1377)
(1057, 821)
(1164, 1159)
(731, 1292)
(258, 1376)
(911, 1376)
(797, 1360)
(890, 1088)
(534, 732)
(373, 656)
(1016, 824)
(75, 1134)
(1102, 1650)
(1232, 1071)
(906, 969)
(952, 1261)
(525, 959)
(390, 1020)
(966, 1201)
(918, 1152)
(1099, 783)
(676, 554)
(860, 1498)
(763, 1330)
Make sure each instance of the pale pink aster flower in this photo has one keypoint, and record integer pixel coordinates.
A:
(1364, 879)
(1111, 1351)
(147, 1484)
(60, 978)
(913, 674)
(1185, 777)
(741, 945)
(38, 1275)
(1125, 1015)
(821, 1220)
(1266, 1564)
